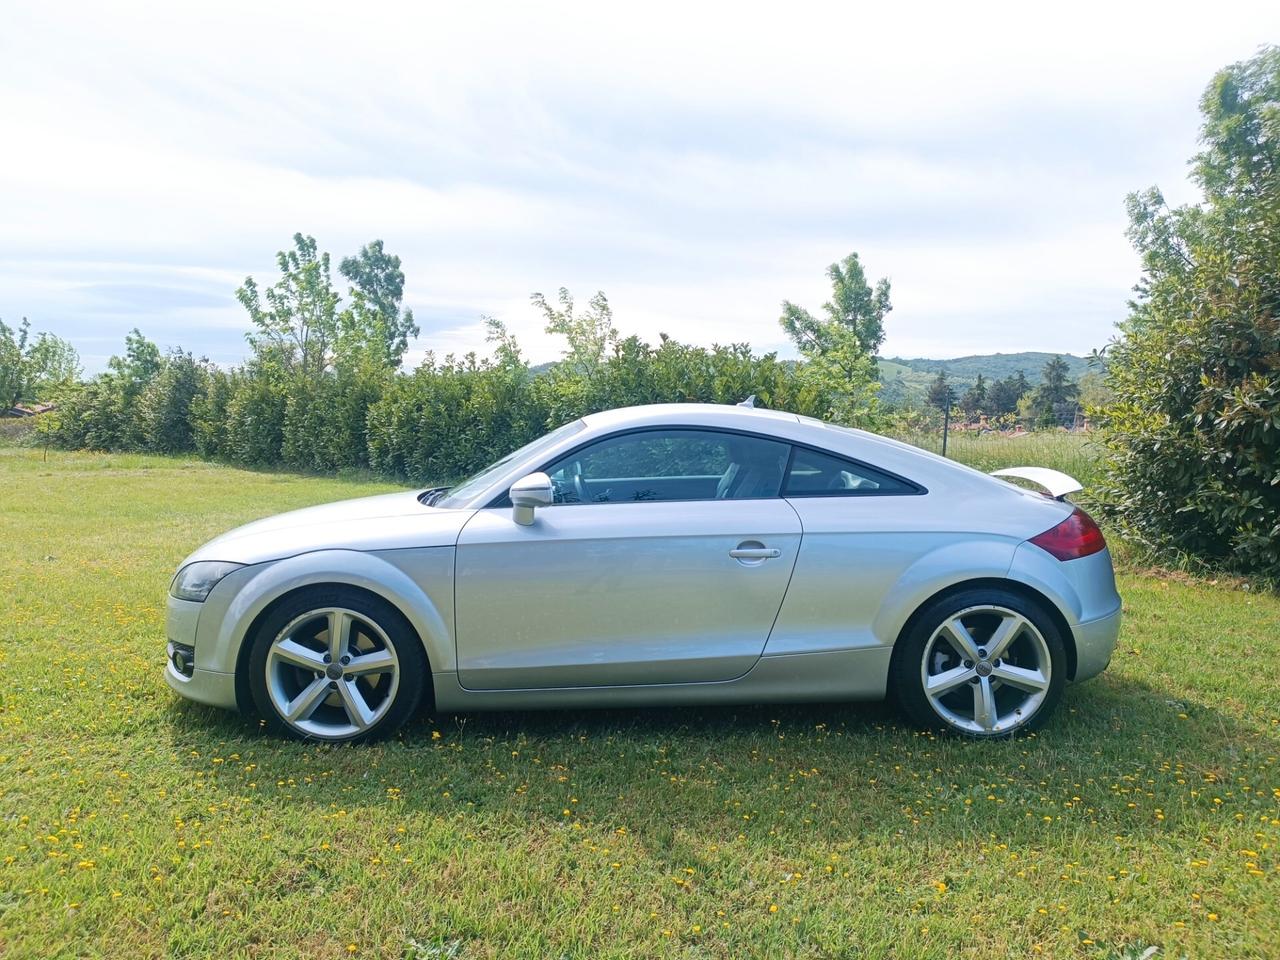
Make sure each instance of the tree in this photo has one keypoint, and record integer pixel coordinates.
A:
(940, 394)
(1003, 397)
(298, 326)
(137, 368)
(974, 401)
(1055, 399)
(591, 333)
(36, 369)
(853, 308)
(841, 346)
(375, 324)
(1192, 438)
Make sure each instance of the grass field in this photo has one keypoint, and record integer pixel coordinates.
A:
(133, 824)
(1075, 454)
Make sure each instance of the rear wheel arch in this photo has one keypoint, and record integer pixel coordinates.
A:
(997, 583)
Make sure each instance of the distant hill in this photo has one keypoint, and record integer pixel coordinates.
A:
(907, 379)
(993, 366)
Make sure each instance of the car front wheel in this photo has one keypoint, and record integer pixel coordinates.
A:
(337, 665)
(981, 663)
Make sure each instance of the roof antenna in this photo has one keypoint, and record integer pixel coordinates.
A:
(749, 402)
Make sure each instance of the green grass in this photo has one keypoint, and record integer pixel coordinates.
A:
(133, 824)
(1075, 454)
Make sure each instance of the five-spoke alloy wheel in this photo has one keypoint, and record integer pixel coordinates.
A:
(983, 663)
(336, 665)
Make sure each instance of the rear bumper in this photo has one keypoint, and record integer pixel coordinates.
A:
(1095, 642)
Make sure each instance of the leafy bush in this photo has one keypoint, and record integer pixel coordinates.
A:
(256, 415)
(164, 411)
(209, 414)
(1193, 432)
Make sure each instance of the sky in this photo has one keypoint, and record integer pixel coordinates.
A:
(699, 163)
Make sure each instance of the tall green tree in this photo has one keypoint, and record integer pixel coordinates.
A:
(941, 394)
(1004, 394)
(375, 324)
(1193, 432)
(974, 401)
(297, 326)
(33, 369)
(133, 372)
(1055, 400)
(590, 333)
(840, 346)
(854, 309)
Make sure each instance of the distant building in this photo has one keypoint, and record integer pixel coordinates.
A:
(29, 409)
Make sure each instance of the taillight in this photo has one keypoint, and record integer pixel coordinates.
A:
(1075, 537)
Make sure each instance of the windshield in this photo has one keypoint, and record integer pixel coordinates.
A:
(460, 495)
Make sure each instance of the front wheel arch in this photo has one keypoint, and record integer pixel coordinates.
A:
(244, 698)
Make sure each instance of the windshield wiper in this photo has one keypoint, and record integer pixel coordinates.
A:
(429, 498)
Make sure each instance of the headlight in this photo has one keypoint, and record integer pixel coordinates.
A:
(195, 580)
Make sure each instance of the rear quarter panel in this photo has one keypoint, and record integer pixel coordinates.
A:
(866, 564)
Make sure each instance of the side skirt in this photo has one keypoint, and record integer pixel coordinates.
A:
(859, 674)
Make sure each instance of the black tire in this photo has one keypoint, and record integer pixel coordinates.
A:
(906, 672)
(402, 695)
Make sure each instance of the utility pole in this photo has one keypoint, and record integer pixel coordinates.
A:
(946, 423)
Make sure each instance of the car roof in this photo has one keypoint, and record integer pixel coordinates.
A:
(689, 414)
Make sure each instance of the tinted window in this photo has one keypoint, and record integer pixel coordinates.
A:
(462, 493)
(671, 465)
(814, 474)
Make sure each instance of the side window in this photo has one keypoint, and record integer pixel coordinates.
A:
(671, 465)
(814, 474)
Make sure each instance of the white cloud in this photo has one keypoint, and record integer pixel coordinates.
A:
(697, 162)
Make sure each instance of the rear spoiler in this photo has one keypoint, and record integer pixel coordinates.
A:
(1056, 484)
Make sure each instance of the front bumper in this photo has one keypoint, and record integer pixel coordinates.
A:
(1095, 642)
(204, 686)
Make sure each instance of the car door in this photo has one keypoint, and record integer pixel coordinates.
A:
(664, 560)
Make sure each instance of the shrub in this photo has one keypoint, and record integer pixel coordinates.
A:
(255, 416)
(1193, 432)
(164, 409)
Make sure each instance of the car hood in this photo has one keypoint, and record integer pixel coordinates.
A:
(392, 521)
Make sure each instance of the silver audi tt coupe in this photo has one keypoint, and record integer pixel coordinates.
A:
(670, 554)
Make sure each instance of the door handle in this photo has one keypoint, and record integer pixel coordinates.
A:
(755, 553)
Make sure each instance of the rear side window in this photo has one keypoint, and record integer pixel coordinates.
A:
(814, 474)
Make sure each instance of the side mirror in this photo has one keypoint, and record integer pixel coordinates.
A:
(529, 492)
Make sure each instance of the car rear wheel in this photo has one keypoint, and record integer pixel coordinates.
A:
(337, 665)
(981, 663)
